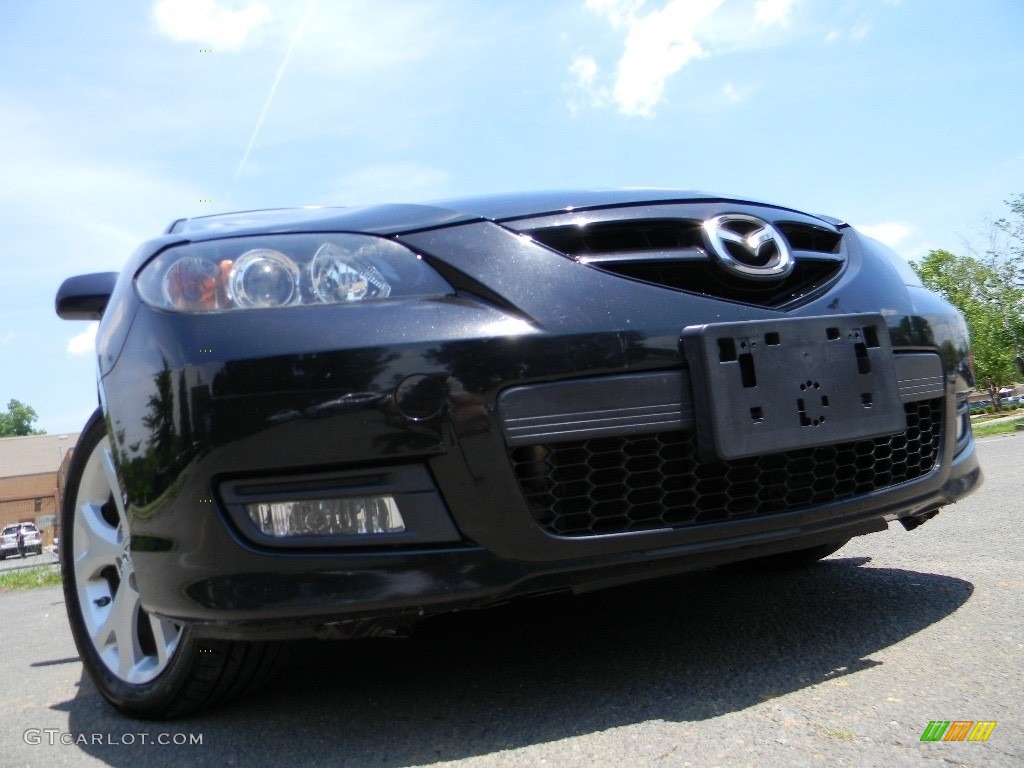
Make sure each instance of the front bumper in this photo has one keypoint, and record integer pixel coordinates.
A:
(451, 389)
(197, 562)
(246, 594)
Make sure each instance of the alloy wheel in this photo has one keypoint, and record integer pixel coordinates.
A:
(133, 644)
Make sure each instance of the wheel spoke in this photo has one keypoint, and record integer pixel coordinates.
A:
(117, 638)
(115, 487)
(165, 635)
(129, 653)
(97, 543)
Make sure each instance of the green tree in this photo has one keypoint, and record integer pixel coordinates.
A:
(990, 299)
(1007, 240)
(18, 419)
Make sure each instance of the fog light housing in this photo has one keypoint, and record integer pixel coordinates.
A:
(351, 516)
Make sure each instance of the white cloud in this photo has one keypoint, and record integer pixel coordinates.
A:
(770, 12)
(585, 69)
(84, 343)
(208, 23)
(658, 44)
(832, 36)
(586, 86)
(660, 41)
(892, 233)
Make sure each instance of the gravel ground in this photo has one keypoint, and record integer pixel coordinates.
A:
(843, 664)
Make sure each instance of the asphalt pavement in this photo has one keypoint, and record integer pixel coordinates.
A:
(843, 664)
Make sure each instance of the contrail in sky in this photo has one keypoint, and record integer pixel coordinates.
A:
(273, 88)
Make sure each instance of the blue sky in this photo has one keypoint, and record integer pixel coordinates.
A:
(902, 116)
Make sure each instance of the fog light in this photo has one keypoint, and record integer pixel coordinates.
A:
(963, 424)
(328, 517)
(963, 417)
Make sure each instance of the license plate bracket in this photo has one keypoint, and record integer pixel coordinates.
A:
(766, 386)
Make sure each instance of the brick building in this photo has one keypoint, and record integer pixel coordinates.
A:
(32, 471)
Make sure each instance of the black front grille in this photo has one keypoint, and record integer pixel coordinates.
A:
(806, 237)
(620, 236)
(704, 278)
(672, 253)
(647, 482)
(638, 235)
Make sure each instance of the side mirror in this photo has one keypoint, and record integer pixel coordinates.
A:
(84, 297)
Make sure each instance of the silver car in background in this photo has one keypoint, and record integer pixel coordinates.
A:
(31, 540)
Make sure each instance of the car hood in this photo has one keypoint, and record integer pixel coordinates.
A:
(395, 219)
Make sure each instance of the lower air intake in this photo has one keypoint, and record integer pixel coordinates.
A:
(648, 482)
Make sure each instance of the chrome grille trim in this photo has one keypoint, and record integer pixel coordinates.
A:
(635, 404)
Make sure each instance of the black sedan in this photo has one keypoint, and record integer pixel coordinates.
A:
(332, 422)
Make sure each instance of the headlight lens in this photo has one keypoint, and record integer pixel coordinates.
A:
(284, 271)
(339, 275)
(191, 283)
(262, 278)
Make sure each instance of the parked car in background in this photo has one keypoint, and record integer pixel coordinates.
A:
(329, 422)
(31, 540)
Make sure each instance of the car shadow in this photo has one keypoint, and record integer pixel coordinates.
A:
(685, 648)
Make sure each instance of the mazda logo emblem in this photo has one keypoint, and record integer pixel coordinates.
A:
(748, 247)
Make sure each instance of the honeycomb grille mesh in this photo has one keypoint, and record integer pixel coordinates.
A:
(647, 482)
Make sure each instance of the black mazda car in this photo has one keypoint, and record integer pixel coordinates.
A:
(332, 422)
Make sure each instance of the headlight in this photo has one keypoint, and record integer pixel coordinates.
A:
(285, 271)
(262, 278)
(339, 275)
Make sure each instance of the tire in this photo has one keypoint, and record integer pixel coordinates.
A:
(146, 666)
(788, 561)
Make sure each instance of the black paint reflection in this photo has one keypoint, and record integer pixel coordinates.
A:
(148, 470)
